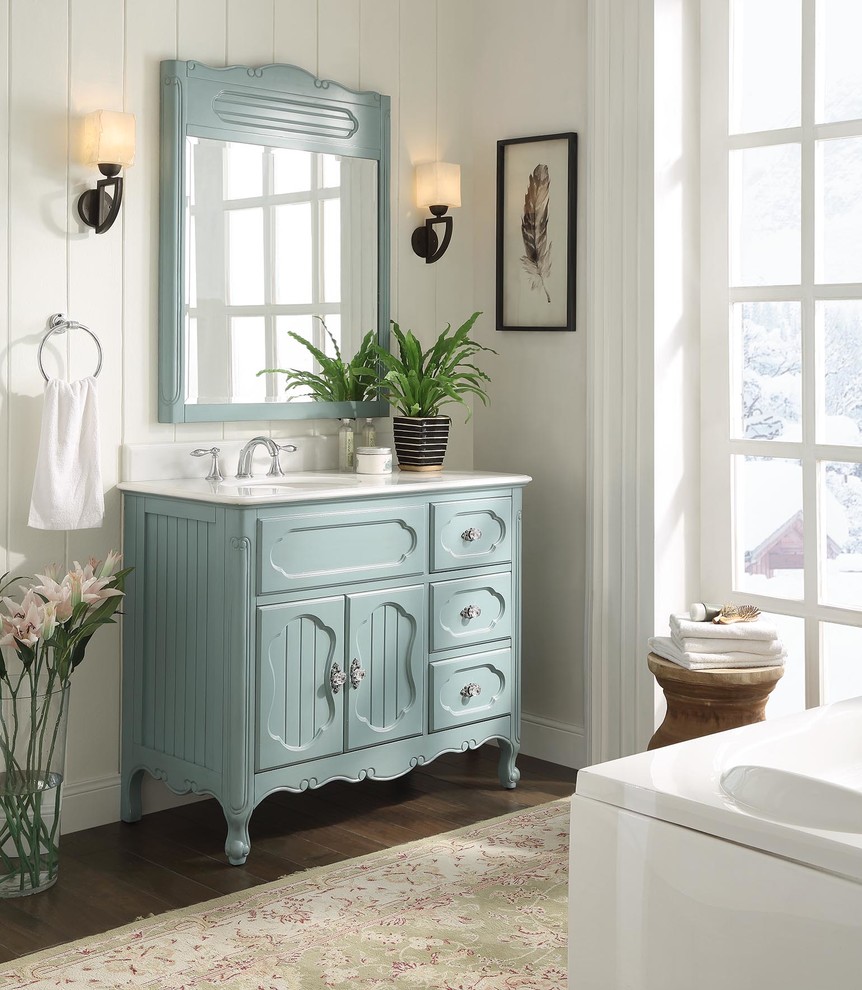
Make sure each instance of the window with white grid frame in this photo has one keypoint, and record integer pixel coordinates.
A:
(781, 257)
(255, 210)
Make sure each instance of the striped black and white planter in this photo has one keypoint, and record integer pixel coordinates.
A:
(420, 442)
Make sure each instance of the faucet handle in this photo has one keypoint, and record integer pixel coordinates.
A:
(215, 471)
(275, 469)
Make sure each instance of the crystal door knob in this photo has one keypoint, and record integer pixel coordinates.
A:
(356, 673)
(471, 690)
(471, 535)
(337, 677)
(471, 612)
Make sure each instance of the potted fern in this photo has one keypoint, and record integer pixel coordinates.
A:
(417, 383)
(338, 380)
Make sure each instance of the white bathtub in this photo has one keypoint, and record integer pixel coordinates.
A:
(732, 861)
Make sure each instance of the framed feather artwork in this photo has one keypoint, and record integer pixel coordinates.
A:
(537, 193)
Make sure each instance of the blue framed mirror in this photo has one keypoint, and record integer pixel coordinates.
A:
(274, 224)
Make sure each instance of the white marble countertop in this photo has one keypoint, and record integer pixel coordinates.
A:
(304, 486)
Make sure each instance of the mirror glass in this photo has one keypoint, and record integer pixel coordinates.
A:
(279, 239)
(273, 225)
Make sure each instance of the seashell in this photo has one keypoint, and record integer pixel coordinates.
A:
(737, 613)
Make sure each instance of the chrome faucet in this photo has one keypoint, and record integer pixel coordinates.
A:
(243, 469)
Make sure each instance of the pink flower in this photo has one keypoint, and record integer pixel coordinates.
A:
(80, 585)
(60, 595)
(24, 622)
(90, 588)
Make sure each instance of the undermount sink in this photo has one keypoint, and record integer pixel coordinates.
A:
(288, 482)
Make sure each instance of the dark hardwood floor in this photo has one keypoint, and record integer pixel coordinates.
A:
(115, 874)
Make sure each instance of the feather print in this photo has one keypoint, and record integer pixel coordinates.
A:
(534, 229)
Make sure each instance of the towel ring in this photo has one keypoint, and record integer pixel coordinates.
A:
(59, 323)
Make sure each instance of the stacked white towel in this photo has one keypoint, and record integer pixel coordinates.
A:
(707, 645)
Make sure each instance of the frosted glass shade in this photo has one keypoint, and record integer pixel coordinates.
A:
(438, 184)
(109, 138)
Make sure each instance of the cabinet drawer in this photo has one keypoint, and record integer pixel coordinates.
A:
(472, 532)
(317, 549)
(470, 610)
(468, 689)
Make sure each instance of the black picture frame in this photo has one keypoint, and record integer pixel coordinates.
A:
(520, 282)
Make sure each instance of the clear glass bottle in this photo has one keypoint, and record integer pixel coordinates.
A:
(368, 436)
(346, 445)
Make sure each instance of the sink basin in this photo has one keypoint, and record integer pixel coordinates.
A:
(292, 483)
(794, 798)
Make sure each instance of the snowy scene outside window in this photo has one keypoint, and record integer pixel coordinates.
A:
(785, 486)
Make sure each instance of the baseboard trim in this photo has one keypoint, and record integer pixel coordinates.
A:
(557, 742)
(90, 803)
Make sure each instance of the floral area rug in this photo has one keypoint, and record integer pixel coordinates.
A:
(482, 908)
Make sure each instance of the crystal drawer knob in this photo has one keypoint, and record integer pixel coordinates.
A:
(356, 673)
(471, 690)
(337, 677)
(471, 535)
(471, 612)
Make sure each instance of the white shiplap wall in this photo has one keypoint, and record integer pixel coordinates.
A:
(535, 422)
(64, 58)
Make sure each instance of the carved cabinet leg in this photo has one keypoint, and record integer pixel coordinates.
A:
(130, 796)
(507, 771)
(237, 845)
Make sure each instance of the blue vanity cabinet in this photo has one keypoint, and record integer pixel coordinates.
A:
(280, 646)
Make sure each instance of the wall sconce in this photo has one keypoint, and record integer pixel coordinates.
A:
(438, 187)
(109, 142)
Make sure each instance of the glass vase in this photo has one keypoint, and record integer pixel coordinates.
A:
(32, 756)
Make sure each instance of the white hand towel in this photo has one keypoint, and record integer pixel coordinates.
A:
(685, 628)
(763, 647)
(67, 487)
(666, 648)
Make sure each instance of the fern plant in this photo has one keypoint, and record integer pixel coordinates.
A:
(417, 383)
(338, 380)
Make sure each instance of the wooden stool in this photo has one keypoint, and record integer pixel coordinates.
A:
(700, 702)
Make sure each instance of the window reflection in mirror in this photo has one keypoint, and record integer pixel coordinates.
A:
(275, 237)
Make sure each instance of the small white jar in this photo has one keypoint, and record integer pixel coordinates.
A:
(374, 460)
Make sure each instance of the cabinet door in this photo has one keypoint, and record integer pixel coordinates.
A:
(300, 714)
(386, 642)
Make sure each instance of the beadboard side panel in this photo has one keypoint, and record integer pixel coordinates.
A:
(175, 642)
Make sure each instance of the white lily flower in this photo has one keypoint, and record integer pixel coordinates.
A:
(25, 626)
(51, 601)
(92, 589)
(49, 619)
(75, 583)
(59, 594)
(111, 564)
(52, 573)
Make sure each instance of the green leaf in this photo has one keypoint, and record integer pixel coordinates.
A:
(336, 381)
(418, 383)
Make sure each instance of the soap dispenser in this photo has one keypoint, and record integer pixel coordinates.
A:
(345, 446)
(368, 437)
